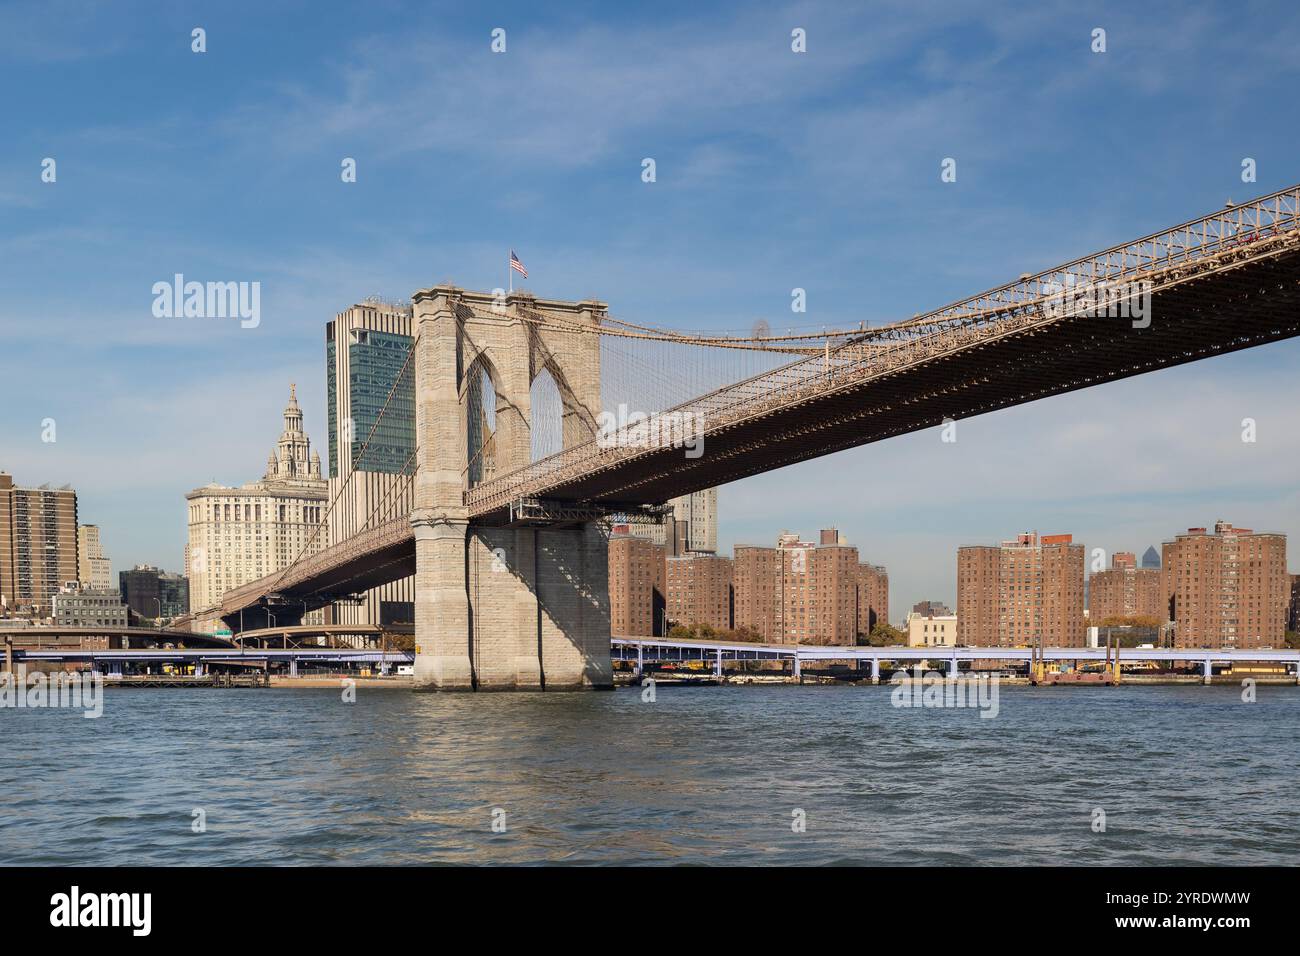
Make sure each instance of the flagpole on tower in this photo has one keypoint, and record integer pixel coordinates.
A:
(516, 266)
(510, 275)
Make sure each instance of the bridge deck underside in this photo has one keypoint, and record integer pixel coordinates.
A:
(390, 563)
(317, 586)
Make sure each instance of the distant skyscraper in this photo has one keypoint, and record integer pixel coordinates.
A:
(1151, 558)
(698, 511)
(38, 545)
(94, 571)
(153, 593)
(366, 350)
(237, 535)
(932, 609)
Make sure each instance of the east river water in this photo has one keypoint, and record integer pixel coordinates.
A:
(716, 775)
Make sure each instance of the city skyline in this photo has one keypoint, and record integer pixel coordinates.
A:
(771, 532)
(603, 436)
(819, 146)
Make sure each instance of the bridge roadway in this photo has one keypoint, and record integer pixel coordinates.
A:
(1226, 281)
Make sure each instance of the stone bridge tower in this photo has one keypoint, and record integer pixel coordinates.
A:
(501, 607)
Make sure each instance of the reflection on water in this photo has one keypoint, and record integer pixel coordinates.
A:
(703, 775)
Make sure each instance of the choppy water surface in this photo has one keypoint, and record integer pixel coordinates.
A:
(703, 775)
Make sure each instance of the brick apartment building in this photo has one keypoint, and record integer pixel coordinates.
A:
(1025, 592)
(755, 575)
(873, 597)
(1229, 588)
(800, 592)
(636, 586)
(1125, 590)
(38, 545)
(821, 603)
(699, 590)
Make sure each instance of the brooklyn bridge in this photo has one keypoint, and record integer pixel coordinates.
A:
(509, 550)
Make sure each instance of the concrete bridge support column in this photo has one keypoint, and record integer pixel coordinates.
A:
(503, 609)
(875, 670)
(573, 598)
(953, 670)
(512, 608)
(1207, 671)
(442, 618)
(439, 518)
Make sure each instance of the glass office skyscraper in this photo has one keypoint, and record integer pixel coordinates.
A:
(365, 349)
(368, 353)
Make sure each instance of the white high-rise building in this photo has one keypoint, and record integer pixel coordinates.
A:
(237, 535)
(699, 511)
(694, 523)
(94, 571)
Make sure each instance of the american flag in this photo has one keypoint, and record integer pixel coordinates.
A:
(517, 265)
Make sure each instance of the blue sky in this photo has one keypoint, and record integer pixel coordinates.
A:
(774, 170)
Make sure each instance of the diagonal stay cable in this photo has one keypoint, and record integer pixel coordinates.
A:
(355, 462)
